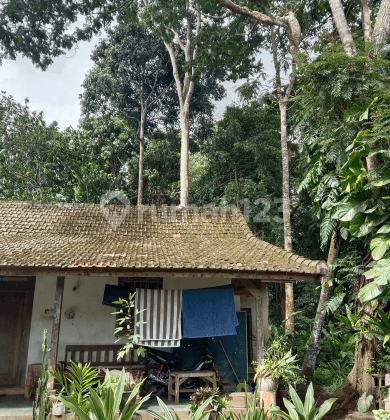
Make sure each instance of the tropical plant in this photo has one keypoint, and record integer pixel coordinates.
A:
(78, 384)
(279, 363)
(377, 326)
(364, 403)
(106, 406)
(381, 363)
(332, 369)
(297, 410)
(125, 327)
(198, 414)
(41, 404)
(217, 403)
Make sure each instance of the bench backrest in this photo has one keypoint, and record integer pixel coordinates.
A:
(101, 355)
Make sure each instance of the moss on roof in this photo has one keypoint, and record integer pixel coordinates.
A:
(89, 235)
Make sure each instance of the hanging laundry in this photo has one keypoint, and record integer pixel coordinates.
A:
(160, 317)
(209, 312)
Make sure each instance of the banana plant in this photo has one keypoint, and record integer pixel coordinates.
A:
(297, 410)
(106, 406)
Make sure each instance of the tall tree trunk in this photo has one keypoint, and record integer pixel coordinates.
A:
(342, 26)
(184, 156)
(359, 381)
(366, 20)
(381, 31)
(309, 362)
(286, 176)
(141, 154)
(289, 288)
(184, 88)
(184, 92)
(282, 101)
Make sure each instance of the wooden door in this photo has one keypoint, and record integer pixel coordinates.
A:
(15, 319)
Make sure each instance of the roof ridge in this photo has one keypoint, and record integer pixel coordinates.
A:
(143, 206)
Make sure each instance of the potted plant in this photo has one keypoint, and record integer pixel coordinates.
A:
(216, 405)
(278, 364)
(131, 383)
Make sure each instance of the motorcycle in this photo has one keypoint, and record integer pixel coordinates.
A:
(158, 365)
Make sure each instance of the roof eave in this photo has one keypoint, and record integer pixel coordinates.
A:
(267, 276)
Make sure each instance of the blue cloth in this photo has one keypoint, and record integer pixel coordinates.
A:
(113, 293)
(209, 312)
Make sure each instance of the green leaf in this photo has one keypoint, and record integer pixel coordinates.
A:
(370, 291)
(379, 246)
(344, 233)
(96, 405)
(371, 221)
(278, 412)
(69, 403)
(296, 400)
(325, 407)
(364, 403)
(351, 212)
(356, 224)
(384, 180)
(380, 272)
(119, 392)
(309, 400)
(364, 116)
(384, 229)
(291, 409)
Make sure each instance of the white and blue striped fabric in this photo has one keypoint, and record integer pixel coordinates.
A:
(159, 312)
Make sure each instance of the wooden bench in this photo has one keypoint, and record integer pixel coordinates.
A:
(105, 355)
(177, 378)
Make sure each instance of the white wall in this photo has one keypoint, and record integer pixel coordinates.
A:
(93, 322)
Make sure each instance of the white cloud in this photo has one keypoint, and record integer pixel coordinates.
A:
(54, 91)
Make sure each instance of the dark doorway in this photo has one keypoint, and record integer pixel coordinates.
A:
(16, 301)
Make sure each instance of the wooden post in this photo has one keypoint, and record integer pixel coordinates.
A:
(267, 386)
(260, 293)
(262, 327)
(55, 334)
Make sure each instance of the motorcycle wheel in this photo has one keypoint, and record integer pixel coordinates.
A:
(153, 388)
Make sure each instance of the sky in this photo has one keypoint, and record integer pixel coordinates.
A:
(56, 90)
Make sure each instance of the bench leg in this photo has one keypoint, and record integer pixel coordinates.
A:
(177, 387)
(170, 388)
(214, 381)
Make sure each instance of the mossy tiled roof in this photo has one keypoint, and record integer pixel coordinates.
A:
(88, 235)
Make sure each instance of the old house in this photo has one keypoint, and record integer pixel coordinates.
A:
(56, 261)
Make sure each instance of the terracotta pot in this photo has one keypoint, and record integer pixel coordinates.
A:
(267, 392)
